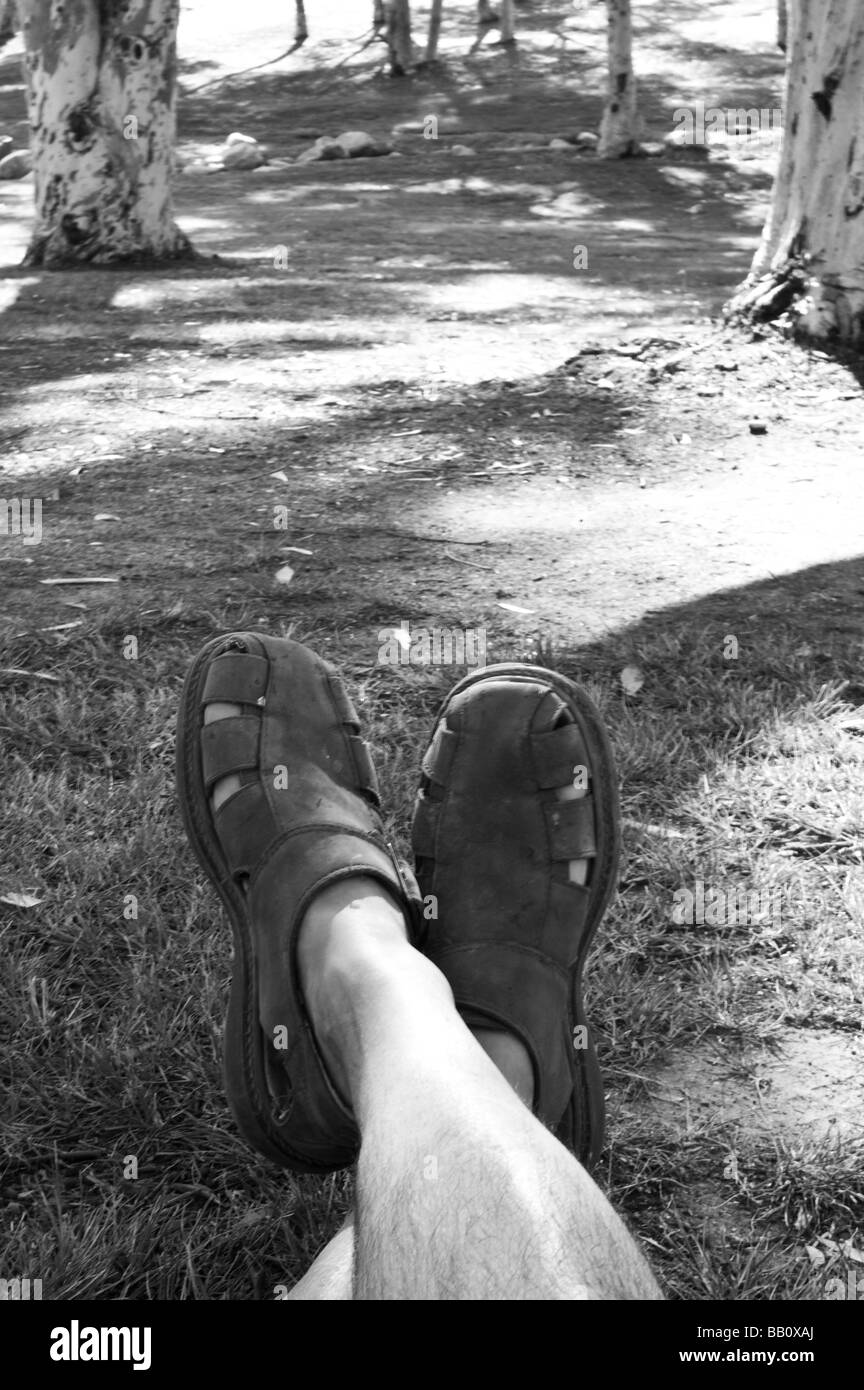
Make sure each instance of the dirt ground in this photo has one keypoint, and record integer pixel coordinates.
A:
(455, 417)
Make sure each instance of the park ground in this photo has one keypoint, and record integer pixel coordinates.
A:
(466, 432)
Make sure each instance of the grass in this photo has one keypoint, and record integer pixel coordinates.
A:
(122, 1176)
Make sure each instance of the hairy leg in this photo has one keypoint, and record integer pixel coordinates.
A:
(461, 1192)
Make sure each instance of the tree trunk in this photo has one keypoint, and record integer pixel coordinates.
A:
(486, 17)
(507, 29)
(619, 134)
(399, 37)
(811, 257)
(301, 31)
(434, 31)
(101, 89)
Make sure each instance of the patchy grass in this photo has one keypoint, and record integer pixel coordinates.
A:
(113, 988)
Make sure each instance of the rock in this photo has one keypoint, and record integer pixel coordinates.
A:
(462, 150)
(560, 144)
(16, 165)
(652, 149)
(324, 148)
(357, 144)
(351, 144)
(588, 137)
(758, 427)
(242, 156)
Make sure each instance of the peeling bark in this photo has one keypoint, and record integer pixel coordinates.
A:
(810, 261)
(101, 85)
(619, 128)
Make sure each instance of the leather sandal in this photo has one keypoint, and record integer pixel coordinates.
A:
(493, 843)
(306, 815)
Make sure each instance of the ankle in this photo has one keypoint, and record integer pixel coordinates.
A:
(349, 936)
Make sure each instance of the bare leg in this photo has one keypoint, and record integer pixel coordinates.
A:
(461, 1192)
(331, 1274)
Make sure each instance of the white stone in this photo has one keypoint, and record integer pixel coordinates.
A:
(242, 156)
(359, 143)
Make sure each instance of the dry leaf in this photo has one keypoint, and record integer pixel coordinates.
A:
(402, 637)
(815, 1256)
(83, 580)
(20, 899)
(285, 575)
(632, 680)
(297, 549)
(106, 516)
(283, 477)
(515, 608)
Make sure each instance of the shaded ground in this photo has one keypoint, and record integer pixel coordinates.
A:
(456, 420)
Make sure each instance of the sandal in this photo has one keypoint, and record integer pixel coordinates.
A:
(306, 814)
(492, 844)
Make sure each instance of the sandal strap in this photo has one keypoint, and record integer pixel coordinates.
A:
(556, 753)
(570, 826)
(365, 776)
(236, 678)
(230, 745)
(438, 758)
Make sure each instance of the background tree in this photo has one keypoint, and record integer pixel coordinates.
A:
(811, 257)
(619, 133)
(101, 84)
(301, 29)
(434, 30)
(782, 24)
(399, 37)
